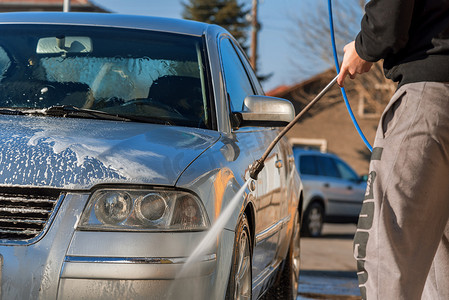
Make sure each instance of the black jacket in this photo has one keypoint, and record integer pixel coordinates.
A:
(412, 36)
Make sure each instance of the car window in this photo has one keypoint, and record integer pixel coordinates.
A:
(308, 165)
(252, 74)
(327, 167)
(238, 84)
(121, 71)
(346, 172)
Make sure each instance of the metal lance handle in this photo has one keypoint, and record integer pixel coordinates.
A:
(258, 165)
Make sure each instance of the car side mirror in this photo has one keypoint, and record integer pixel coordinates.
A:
(265, 111)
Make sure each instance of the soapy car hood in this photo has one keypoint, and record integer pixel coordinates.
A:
(74, 153)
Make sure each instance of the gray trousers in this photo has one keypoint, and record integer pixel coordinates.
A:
(402, 239)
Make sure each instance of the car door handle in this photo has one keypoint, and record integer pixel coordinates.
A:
(349, 187)
(326, 185)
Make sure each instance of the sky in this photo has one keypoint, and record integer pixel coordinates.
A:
(274, 48)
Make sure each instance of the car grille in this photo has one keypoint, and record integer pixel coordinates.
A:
(25, 216)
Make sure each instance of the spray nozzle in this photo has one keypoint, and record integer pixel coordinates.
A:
(256, 168)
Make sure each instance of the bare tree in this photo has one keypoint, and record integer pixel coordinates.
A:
(311, 42)
(310, 34)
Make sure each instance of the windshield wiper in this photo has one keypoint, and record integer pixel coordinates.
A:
(77, 112)
(6, 111)
(73, 111)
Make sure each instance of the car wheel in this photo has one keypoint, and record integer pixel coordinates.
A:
(313, 220)
(240, 279)
(286, 286)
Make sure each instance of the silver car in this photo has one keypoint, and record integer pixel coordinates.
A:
(126, 145)
(333, 191)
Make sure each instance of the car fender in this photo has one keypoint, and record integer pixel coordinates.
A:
(314, 195)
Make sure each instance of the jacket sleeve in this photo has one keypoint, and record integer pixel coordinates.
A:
(384, 28)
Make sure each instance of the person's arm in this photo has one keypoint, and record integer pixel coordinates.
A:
(384, 30)
(352, 64)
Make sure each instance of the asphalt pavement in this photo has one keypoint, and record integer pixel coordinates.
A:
(328, 268)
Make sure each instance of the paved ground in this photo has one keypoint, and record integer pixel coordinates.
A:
(328, 269)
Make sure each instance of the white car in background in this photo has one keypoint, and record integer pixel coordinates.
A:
(333, 191)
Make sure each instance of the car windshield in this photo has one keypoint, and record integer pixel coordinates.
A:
(139, 74)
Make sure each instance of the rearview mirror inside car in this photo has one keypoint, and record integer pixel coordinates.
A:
(64, 44)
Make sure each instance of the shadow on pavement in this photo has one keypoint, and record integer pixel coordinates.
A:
(344, 231)
(347, 236)
(338, 285)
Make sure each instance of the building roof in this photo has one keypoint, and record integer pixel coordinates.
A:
(48, 5)
(40, 2)
(283, 90)
(277, 90)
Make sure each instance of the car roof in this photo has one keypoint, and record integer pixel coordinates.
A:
(107, 20)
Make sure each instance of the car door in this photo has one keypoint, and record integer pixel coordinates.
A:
(339, 186)
(268, 186)
(353, 186)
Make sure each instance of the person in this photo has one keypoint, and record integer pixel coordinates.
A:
(402, 238)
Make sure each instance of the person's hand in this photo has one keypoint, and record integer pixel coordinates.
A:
(352, 64)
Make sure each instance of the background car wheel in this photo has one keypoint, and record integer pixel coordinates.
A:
(313, 220)
(286, 286)
(240, 279)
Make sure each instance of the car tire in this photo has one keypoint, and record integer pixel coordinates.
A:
(313, 220)
(286, 286)
(240, 278)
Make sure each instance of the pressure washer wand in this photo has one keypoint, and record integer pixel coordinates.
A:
(258, 165)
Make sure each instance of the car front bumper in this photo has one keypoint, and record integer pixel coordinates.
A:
(70, 264)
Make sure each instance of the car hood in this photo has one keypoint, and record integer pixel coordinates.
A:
(80, 153)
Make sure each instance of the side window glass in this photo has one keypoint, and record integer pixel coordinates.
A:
(307, 165)
(327, 167)
(238, 84)
(346, 172)
(253, 76)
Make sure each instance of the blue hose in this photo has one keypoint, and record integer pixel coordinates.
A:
(343, 91)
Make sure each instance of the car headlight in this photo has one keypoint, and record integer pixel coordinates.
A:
(136, 209)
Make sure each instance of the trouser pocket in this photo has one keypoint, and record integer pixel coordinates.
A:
(393, 112)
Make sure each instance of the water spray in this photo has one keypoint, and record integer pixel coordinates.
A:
(210, 238)
(258, 165)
